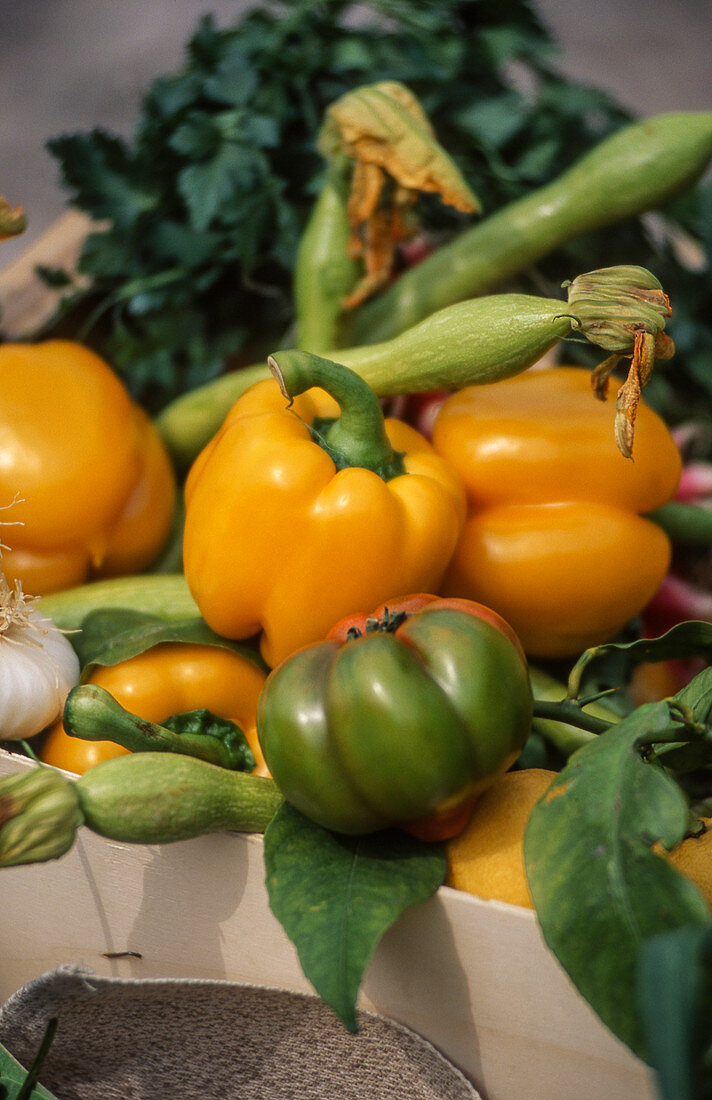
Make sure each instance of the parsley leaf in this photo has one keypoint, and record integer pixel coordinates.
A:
(203, 208)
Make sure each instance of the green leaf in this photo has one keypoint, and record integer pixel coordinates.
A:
(494, 121)
(206, 186)
(108, 636)
(335, 896)
(104, 177)
(538, 161)
(674, 987)
(203, 723)
(17, 1083)
(234, 81)
(687, 639)
(598, 889)
(197, 137)
(697, 695)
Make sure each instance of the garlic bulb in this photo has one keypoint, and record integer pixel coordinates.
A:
(38, 667)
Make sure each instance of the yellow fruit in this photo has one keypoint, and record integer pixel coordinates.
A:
(693, 858)
(487, 858)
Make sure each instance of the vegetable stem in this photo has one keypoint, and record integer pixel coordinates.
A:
(564, 724)
(93, 714)
(358, 436)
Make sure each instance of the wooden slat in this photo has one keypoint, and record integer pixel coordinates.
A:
(25, 302)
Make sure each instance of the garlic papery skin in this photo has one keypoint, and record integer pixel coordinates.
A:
(38, 667)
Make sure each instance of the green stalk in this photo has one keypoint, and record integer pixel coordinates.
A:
(357, 437)
(92, 714)
(686, 524)
(163, 594)
(551, 711)
(641, 167)
(157, 798)
(324, 273)
(470, 342)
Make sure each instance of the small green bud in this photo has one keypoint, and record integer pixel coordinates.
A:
(614, 303)
(39, 816)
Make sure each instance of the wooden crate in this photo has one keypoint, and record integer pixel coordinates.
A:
(473, 977)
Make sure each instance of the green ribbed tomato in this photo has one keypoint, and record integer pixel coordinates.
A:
(400, 718)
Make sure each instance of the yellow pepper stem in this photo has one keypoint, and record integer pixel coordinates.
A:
(358, 436)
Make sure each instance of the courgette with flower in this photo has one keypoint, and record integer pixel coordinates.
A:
(469, 343)
(640, 167)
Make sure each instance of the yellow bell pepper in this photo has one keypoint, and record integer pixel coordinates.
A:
(93, 488)
(297, 516)
(556, 538)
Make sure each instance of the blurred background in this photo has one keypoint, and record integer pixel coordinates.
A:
(68, 66)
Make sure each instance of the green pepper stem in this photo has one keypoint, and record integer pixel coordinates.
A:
(92, 714)
(358, 436)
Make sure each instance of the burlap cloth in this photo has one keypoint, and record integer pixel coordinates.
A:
(144, 1039)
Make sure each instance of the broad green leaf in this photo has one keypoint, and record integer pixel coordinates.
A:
(117, 634)
(675, 998)
(687, 639)
(336, 895)
(598, 889)
(493, 121)
(18, 1083)
(203, 723)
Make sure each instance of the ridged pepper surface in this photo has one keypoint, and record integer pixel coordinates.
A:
(398, 718)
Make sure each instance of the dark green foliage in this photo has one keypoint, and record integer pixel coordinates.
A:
(206, 203)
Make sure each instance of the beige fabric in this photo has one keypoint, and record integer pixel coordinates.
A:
(142, 1039)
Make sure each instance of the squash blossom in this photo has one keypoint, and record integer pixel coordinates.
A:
(297, 516)
(39, 816)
